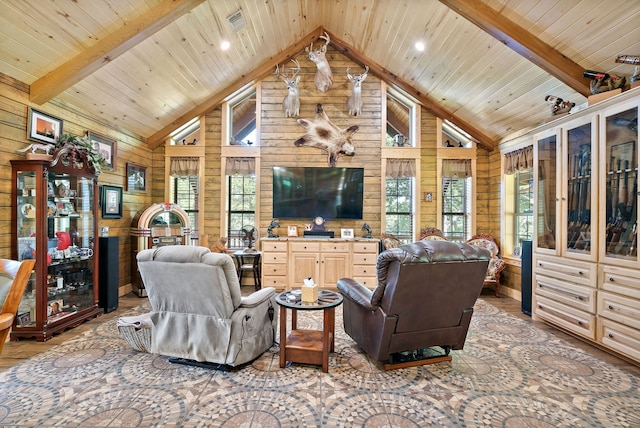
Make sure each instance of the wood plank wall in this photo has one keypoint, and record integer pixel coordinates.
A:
(277, 149)
(277, 136)
(14, 103)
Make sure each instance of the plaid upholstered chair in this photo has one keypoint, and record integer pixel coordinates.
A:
(484, 240)
(432, 234)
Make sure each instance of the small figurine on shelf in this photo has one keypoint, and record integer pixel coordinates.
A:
(366, 228)
(603, 82)
(273, 225)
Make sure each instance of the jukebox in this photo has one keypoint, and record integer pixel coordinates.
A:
(160, 224)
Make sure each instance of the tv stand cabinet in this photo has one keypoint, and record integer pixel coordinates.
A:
(286, 262)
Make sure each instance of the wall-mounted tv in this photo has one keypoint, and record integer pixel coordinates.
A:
(306, 192)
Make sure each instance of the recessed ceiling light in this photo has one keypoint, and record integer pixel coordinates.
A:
(225, 45)
(420, 46)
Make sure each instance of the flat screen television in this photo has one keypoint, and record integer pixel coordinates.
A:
(306, 192)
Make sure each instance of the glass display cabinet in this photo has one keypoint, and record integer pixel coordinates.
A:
(55, 223)
(546, 154)
(619, 201)
(580, 165)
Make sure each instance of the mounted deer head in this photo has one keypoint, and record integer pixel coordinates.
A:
(291, 102)
(324, 77)
(354, 103)
(324, 135)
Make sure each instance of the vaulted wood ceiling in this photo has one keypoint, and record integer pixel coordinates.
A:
(149, 66)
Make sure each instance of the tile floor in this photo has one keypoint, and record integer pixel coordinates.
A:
(513, 372)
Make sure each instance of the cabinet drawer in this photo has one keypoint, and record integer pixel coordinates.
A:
(620, 280)
(367, 281)
(619, 308)
(334, 247)
(364, 271)
(365, 247)
(365, 259)
(274, 258)
(299, 247)
(272, 269)
(575, 271)
(574, 295)
(277, 282)
(620, 338)
(268, 246)
(572, 319)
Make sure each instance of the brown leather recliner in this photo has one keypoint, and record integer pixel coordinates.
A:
(424, 298)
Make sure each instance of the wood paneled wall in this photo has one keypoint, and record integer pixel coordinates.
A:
(14, 103)
(276, 149)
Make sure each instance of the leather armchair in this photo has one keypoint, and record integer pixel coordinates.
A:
(198, 313)
(424, 298)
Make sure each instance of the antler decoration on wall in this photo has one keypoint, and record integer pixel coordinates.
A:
(324, 77)
(291, 102)
(354, 103)
(324, 135)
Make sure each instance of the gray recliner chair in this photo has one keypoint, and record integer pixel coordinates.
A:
(198, 314)
(424, 299)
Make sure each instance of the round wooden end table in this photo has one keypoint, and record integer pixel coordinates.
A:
(307, 346)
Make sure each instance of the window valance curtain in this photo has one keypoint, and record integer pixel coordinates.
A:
(398, 168)
(241, 166)
(518, 160)
(184, 166)
(456, 168)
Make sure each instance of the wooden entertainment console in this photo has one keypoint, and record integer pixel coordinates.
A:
(286, 262)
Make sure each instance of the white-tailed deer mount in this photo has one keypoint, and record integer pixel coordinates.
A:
(354, 103)
(324, 135)
(291, 102)
(324, 77)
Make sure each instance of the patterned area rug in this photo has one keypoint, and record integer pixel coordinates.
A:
(510, 374)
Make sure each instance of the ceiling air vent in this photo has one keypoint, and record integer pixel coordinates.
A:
(237, 21)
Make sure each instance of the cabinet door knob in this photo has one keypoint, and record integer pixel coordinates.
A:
(610, 336)
(610, 307)
(611, 279)
(580, 273)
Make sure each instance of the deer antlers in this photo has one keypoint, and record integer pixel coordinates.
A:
(284, 75)
(291, 102)
(324, 77)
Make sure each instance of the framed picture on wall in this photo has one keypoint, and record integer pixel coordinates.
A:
(42, 127)
(111, 201)
(136, 178)
(106, 146)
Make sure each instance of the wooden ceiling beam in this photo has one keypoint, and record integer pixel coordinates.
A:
(522, 42)
(107, 49)
(426, 100)
(266, 68)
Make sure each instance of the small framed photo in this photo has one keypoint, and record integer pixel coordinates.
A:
(346, 233)
(136, 178)
(24, 319)
(107, 147)
(111, 201)
(43, 127)
(517, 252)
(292, 231)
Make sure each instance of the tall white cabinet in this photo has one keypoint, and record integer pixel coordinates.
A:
(586, 266)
